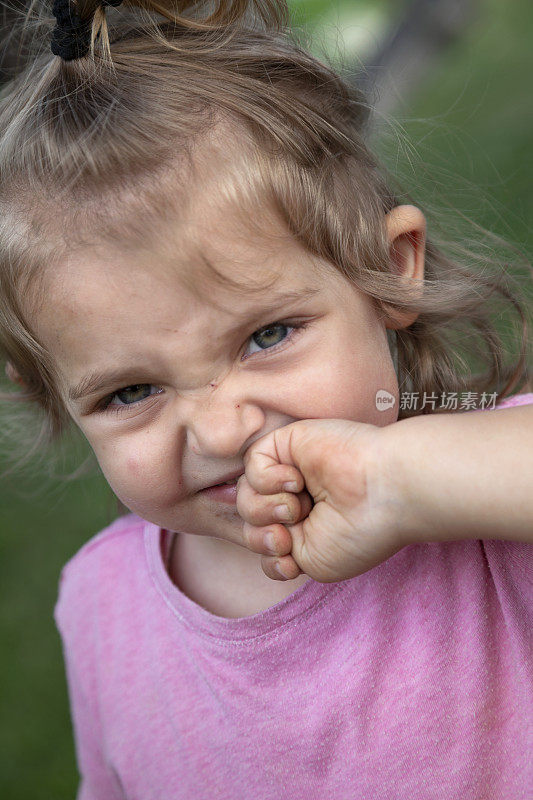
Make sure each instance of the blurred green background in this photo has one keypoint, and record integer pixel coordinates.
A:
(454, 117)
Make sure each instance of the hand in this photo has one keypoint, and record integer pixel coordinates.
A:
(342, 515)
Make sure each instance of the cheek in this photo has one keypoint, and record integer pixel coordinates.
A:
(137, 479)
(133, 467)
(343, 385)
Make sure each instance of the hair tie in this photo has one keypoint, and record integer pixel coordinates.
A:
(71, 38)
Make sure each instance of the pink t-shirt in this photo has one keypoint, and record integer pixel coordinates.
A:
(412, 681)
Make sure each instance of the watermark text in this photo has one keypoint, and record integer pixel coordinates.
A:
(449, 401)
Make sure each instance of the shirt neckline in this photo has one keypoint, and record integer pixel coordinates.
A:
(303, 600)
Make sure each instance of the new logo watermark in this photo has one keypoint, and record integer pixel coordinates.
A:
(384, 400)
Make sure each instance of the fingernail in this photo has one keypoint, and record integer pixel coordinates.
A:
(279, 570)
(270, 542)
(282, 512)
(290, 486)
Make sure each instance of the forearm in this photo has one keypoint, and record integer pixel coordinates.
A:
(463, 476)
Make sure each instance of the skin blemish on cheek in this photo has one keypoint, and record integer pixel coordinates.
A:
(132, 466)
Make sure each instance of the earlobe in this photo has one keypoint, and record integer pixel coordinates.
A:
(406, 233)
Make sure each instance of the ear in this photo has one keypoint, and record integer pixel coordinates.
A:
(406, 232)
(13, 375)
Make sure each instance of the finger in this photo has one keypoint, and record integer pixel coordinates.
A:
(274, 540)
(289, 568)
(268, 476)
(260, 510)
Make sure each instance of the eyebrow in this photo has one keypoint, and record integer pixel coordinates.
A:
(100, 380)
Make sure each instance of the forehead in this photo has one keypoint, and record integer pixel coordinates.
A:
(225, 250)
(206, 226)
(210, 268)
(222, 261)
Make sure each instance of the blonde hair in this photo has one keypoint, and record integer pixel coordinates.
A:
(87, 148)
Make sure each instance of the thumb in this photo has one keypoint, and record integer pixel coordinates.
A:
(283, 456)
(272, 461)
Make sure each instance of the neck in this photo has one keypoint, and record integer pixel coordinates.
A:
(225, 578)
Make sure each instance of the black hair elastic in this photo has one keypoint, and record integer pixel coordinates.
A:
(71, 38)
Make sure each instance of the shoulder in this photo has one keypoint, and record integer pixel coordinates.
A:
(102, 544)
(99, 564)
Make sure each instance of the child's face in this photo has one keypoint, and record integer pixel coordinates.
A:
(205, 390)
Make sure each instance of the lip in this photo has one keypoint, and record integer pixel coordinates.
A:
(229, 477)
(221, 494)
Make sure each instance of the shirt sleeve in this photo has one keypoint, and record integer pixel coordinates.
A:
(97, 777)
(514, 560)
(516, 400)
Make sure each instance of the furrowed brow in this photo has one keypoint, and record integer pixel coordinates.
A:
(102, 380)
(275, 300)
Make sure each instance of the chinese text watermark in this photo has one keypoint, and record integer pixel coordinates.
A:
(449, 401)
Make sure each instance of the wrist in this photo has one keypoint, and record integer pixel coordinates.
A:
(403, 456)
(392, 485)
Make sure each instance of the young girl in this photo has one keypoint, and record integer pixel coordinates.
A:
(205, 270)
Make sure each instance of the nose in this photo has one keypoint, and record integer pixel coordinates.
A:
(222, 424)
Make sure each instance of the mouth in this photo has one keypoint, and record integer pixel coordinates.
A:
(222, 492)
(231, 480)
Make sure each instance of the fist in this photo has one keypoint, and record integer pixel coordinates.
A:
(316, 499)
